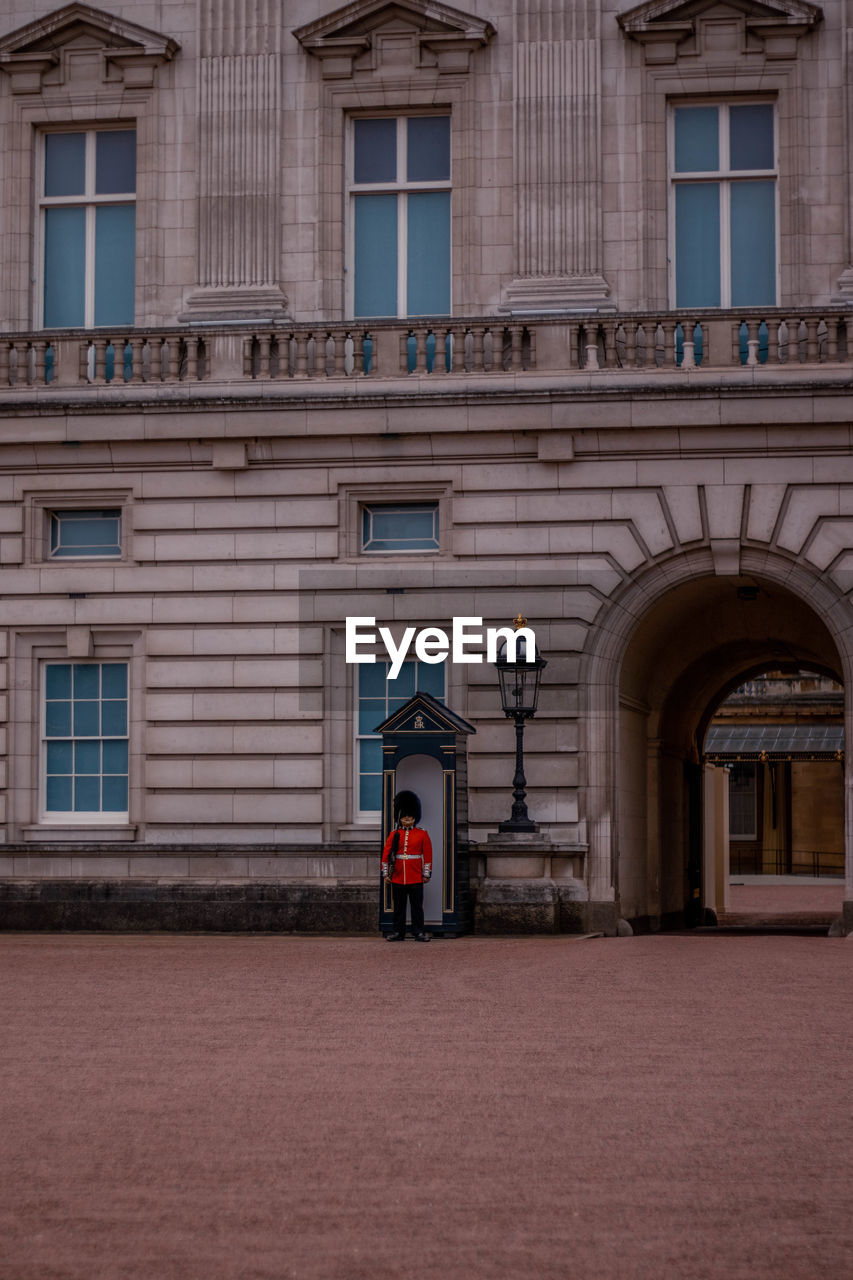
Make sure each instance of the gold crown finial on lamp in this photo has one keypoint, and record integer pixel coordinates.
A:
(519, 621)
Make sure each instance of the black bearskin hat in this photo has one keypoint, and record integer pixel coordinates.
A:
(407, 805)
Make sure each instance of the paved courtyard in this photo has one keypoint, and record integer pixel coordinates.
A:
(256, 1108)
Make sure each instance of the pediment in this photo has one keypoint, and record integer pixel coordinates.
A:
(424, 714)
(342, 37)
(126, 50)
(663, 25)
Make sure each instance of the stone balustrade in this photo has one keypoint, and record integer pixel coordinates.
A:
(647, 342)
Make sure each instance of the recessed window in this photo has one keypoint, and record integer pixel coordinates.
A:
(743, 806)
(723, 211)
(84, 533)
(376, 698)
(399, 527)
(85, 739)
(88, 227)
(400, 211)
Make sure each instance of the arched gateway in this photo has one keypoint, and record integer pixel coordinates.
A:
(664, 651)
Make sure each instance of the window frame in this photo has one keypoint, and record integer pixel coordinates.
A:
(400, 188)
(370, 817)
(411, 503)
(723, 177)
(56, 556)
(90, 817)
(742, 837)
(90, 202)
(41, 504)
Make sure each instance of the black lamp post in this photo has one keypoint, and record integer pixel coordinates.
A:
(519, 695)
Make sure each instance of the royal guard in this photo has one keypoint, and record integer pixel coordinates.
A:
(407, 864)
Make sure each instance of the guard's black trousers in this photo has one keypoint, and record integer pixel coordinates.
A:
(414, 894)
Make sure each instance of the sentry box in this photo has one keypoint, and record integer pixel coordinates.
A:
(425, 750)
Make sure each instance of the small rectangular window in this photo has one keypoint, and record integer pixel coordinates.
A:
(84, 533)
(85, 745)
(88, 228)
(400, 215)
(399, 527)
(376, 698)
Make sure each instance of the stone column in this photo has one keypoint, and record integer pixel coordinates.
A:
(239, 164)
(557, 156)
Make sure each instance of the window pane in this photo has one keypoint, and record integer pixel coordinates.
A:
(402, 528)
(115, 795)
(115, 241)
(370, 756)
(753, 227)
(86, 719)
(370, 791)
(64, 268)
(697, 244)
(87, 757)
(429, 254)
(404, 686)
(751, 136)
(115, 757)
(115, 162)
(59, 757)
(114, 680)
(371, 678)
(87, 680)
(113, 719)
(57, 719)
(375, 255)
(697, 140)
(371, 712)
(85, 533)
(65, 164)
(431, 679)
(428, 148)
(87, 795)
(58, 798)
(58, 680)
(376, 150)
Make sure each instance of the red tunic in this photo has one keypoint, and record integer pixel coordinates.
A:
(413, 864)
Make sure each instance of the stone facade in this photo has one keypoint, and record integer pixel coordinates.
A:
(666, 494)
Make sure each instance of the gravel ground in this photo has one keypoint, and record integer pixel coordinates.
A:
(256, 1108)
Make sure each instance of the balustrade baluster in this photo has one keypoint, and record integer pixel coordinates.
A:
(478, 334)
(339, 339)
(531, 333)
(516, 334)
(650, 357)
(101, 345)
(21, 362)
(136, 350)
(264, 355)
(611, 351)
(630, 344)
(4, 363)
(832, 339)
(773, 341)
(40, 352)
(812, 345)
(192, 359)
(357, 336)
(752, 327)
(589, 339)
(247, 355)
(301, 355)
(458, 363)
(669, 328)
(688, 344)
(174, 357)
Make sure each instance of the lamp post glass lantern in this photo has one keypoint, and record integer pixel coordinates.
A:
(519, 681)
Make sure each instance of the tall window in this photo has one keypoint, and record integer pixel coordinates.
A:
(376, 698)
(85, 740)
(400, 216)
(88, 227)
(723, 205)
(743, 802)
